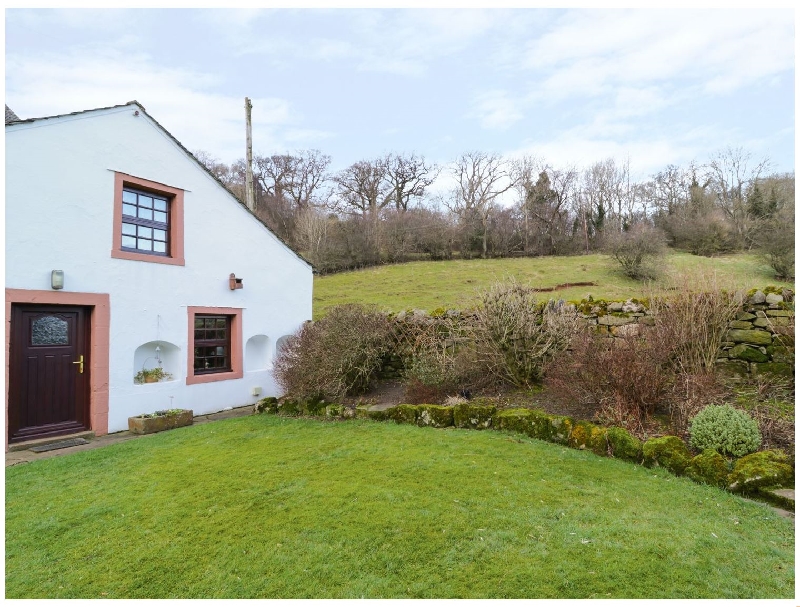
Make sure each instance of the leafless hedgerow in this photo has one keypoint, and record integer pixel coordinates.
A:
(693, 319)
(515, 335)
(624, 378)
(336, 356)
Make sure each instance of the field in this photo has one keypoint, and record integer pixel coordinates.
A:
(428, 285)
(264, 506)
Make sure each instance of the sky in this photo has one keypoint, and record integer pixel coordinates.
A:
(570, 87)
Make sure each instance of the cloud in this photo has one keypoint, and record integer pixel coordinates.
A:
(184, 101)
(590, 52)
(496, 110)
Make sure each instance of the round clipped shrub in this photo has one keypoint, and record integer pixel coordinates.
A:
(726, 430)
(709, 467)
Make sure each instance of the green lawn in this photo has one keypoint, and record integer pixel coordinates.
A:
(428, 285)
(272, 507)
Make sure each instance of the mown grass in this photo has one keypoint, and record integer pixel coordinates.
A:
(428, 285)
(272, 507)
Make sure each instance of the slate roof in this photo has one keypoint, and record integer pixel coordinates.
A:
(15, 119)
(11, 116)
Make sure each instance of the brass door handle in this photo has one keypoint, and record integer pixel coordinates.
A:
(79, 362)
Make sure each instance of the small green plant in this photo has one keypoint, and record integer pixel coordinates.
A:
(149, 376)
(162, 413)
(726, 430)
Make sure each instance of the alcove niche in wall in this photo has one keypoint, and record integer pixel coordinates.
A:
(256, 353)
(147, 356)
(279, 344)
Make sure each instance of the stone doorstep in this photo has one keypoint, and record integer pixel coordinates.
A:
(24, 446)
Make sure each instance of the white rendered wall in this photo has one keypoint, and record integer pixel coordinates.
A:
(59, 205)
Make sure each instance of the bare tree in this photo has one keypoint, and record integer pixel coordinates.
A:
(361, 188)
(482, 178)
(407, 177)
(298, 177)
(731, 172)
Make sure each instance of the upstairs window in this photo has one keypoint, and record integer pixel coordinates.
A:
(148, 221)
(145, 222)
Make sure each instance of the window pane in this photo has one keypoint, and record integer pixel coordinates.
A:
(129, 209)
(162, 217)
(145, 232)
(159, 205)
(160, 235)
(160, 247)
(220, 351)
(129, 241)
(144, 245)
(146, 201)
(145, 213)
(128, 196)
(220, 322)
(129, 228)
(49, 331)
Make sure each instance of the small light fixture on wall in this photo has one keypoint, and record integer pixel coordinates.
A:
(57, 279)
(235, 283)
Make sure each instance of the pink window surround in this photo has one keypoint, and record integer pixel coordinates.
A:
(175, 196)
(237, 367)
(99, 325)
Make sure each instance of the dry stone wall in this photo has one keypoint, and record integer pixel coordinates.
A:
(760, 339)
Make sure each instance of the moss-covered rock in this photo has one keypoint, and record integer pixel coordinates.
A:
(541, 426)
(562, 429)
(756, 337)
(776, 369)
(290, 407)
(313, 406)
(709, 467)
(378, 415)
(761, 469)
(623, 445)
(747, 353)
(585, 435)
(514, 420)
(740, 324)
(473, 415)
(403, 414)
(335, 410)
(733, 368)
(781, 354)
(438, 416)
(669, 452)
(266, 405)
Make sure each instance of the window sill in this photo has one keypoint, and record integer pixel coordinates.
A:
(211, 377)
(173, 261)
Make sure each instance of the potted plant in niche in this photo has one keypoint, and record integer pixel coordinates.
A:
(167, 419)
(151, 376)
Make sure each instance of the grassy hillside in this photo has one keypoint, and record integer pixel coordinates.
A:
(428, 285)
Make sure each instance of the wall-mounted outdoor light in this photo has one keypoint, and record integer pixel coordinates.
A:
(236, 283)
(57, 279)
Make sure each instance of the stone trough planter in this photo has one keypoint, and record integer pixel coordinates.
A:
(160, 420)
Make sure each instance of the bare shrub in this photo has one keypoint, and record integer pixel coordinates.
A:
(692, 320)
(335, 356)
(515, 335)
(624, 379)
(770, 401)
(439, 356)
(638, 251)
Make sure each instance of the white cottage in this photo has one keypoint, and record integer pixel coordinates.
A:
(123, 253)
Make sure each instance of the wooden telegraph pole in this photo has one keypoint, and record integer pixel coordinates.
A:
(250, 198)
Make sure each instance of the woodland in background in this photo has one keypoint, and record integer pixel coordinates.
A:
(383, 210)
